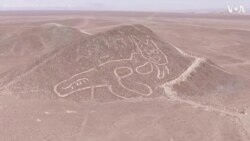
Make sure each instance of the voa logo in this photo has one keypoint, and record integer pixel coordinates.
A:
(236, 9)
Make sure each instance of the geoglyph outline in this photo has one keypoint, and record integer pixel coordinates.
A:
(119, 78)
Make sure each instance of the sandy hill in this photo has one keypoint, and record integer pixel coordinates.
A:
(37, 40)
(122, 63)
(24, 48)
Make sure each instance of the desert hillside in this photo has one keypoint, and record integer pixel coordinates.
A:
(121, 63)
(23, 49)
(124, 76)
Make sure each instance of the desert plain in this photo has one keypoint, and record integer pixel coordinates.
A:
(183, 77)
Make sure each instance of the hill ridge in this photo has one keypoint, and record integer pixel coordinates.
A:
(125, 62)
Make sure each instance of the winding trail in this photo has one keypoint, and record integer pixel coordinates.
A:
(241, 117)
(184, 76)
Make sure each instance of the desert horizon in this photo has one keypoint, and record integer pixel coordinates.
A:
(124, 76)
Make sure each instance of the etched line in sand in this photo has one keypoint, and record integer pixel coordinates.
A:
(148, 50)
(78, 75)
(119, 78)
(115, 94)
(84, 123)
(236, 64)
(47, 113)
(78, 83)
(140, 71)
(38, 120)
(152, 53)
(71, 112)
(85, 32)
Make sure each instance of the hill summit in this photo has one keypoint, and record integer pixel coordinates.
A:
(122, 63)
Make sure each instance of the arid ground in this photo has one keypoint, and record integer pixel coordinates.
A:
(177, 77)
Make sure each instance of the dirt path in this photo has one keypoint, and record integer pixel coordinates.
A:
(242, 117)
